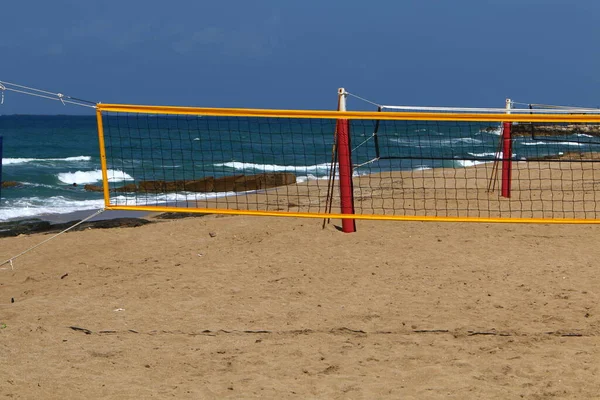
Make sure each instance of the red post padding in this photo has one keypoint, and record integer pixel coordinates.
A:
(345, 171)
(506, 160)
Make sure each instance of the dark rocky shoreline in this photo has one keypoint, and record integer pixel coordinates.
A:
(234, 183)
(29, 226)
(37, 225)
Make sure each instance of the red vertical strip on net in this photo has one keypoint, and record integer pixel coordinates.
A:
(506, 159)
(345, 171)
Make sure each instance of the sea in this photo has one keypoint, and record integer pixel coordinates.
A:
(53, 157)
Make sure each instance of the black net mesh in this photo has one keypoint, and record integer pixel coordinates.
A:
(400, 168)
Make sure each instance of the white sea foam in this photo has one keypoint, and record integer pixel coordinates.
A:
(489, 154)
(460, 140)
(422, 168)
(34, 206)
(416, 142)
(494, 131)
(584, 135)
(166, 198)
(552, 144)
(469, 163)
(9, 161)
(84, 177)
(311, 177)
(42, 185)
(424, 142)
(472, 163)
(276, 168)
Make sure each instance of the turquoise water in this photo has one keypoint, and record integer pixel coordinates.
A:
(53, 157)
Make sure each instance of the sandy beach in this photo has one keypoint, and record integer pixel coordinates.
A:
(563, 189)
(278, 308)
(259, 307)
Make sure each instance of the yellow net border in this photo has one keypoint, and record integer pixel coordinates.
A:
(336, 115)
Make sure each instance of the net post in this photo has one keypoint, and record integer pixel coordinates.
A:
(345, 166)
(506, 154)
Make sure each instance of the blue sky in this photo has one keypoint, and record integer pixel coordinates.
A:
(292, 54)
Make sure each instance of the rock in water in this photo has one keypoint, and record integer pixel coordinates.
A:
(263, 181)
(233, 183)
(202, 185)
(11, 184)
(129, 188)
(93, 188)
(226, 184)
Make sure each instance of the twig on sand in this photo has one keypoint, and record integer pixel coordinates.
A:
(78, 329)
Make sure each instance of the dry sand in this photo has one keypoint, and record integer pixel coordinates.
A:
(251, 307)
(278, 308)
(564, 189)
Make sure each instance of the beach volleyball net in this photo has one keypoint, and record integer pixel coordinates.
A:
(531, 164)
